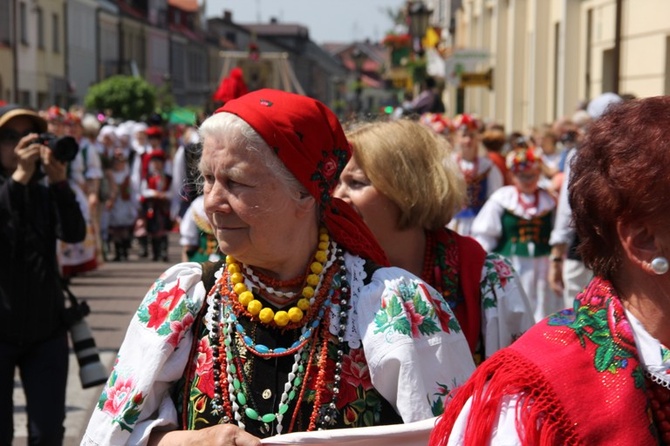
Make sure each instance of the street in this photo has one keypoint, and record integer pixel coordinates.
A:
(113, 292)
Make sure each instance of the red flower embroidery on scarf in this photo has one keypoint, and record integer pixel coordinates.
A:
(329, 168)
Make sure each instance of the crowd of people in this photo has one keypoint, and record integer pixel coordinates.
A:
(377, 273)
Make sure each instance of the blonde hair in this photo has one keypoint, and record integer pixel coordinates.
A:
(413, 167)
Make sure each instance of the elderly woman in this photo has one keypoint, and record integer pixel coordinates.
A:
(304, 327)
(597, 374)
(407, 212)
(516, 222)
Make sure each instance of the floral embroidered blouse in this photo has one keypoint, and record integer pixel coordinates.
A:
(402, 348)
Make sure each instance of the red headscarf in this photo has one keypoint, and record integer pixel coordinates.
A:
(309, 140)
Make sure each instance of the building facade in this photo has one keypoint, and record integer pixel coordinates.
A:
(549, 57)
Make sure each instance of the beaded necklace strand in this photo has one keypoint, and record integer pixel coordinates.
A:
(231, 389)
(281, 318)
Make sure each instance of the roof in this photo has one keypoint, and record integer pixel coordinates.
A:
(278, 29)
(184, 5)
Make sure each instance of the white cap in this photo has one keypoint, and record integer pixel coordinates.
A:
(139, 127)
(107, 130)
(598, 105)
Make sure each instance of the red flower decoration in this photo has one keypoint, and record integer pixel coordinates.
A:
(179, 327)
(443, 316)
(415, 319)
(329, 168)
(165, 302)
(204, 368)
(118, 396)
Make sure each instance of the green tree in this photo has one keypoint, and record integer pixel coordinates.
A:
(125, 97)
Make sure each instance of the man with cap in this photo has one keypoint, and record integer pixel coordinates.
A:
(35, 212)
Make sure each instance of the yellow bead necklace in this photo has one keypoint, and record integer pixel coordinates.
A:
(294, 314)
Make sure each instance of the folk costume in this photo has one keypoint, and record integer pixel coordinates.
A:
(155, 200)
(197, 235)
(482, 289)
(535, 392)
(482, 176)
(365, 345)
(482, 179)
(517, 225)
(123, 210)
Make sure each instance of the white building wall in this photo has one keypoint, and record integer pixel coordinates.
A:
(549, 56)
(82, 47)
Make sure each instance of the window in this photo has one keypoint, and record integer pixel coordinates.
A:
(23, 19)
(55, 29)
(40, 28)
(5, 23)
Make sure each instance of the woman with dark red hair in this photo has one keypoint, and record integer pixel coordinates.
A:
(303, 328)
(599, 373)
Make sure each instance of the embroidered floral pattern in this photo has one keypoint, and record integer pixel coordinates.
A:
(599, 320)
(665, 357)
(498, 272)
(413, 311)
(119, 400)
(327, 171)
(166, 312)
(437, 405)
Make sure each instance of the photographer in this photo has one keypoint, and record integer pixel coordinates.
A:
(33, 334)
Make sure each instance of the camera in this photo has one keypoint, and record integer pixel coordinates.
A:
(64, 148)
(91, 370)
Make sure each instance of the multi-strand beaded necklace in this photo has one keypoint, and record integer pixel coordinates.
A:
(325, 293)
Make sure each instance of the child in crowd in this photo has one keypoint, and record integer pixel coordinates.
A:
(121, 206)
(155, 196)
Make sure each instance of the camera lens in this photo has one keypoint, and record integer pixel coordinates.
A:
(65, 148)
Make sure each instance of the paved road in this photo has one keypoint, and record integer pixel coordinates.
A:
(113, 293)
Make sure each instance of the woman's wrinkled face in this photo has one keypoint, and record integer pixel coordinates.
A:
(379, 213)
(251, 211)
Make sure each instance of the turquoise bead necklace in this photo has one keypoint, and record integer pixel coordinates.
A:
(237, 387)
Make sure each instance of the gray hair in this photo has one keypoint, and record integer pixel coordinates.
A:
(234, 130)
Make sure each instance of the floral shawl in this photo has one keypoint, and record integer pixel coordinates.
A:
(569, 362)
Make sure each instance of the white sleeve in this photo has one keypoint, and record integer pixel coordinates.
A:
(487, 226)
(93, 163)
(412, 342)
(188, 230)
(151, 359)
(563, 232)
(507, 312)
(504, 432)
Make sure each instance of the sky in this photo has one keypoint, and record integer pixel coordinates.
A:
(327, 20)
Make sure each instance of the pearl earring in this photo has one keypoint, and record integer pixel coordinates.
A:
(660, 265)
